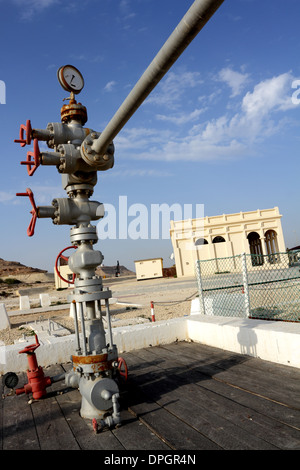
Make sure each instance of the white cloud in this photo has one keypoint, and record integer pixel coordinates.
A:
(171, 89)
(126, 13)
(181, 118)
(29, 8)
(6, 196)
(270, 95)
(139, 138)
(109, 86)
(235, 80)
(261, 114)
(139, 172)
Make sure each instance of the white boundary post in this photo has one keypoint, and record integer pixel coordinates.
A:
(200, 288)
(245, 283)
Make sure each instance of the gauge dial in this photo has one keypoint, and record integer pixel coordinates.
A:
(10, 380)
(70, 78)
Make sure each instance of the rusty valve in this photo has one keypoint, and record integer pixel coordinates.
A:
(29, 193)
(35, 163)
(27, 128)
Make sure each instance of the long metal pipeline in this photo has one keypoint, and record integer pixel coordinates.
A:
(188, 28)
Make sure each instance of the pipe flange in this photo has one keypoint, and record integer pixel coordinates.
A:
(90, 296)
(83, 233)
(80, 283)
(72, 188)
(99, 162)
(92, 363)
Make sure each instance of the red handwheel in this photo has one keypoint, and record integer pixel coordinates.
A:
(24, 140)
(122, 368)
(33, 212)
(65, 258)
(32, 165)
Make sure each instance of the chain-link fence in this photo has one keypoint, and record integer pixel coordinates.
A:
(254, 286)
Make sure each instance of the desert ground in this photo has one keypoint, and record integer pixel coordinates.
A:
(130, 303)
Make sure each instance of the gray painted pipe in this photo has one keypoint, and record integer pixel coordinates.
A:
(188, 28)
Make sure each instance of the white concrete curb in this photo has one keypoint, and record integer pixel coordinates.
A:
(277, 342)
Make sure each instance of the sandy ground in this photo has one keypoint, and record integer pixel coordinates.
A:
(171, 297)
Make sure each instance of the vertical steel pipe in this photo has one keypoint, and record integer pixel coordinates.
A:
(108, 319)
(79, 304)
(73, 313)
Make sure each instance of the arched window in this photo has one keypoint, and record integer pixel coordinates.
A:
(255, 249)
(218, 239)
(201, 241)
(272, 246)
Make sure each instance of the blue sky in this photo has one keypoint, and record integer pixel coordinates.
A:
(221, 129)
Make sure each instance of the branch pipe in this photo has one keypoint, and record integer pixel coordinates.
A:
(188, 28)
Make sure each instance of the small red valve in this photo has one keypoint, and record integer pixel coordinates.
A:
(31, 347)
(24, 140)
(37, 382)
(65, 258)
(29, 193)
(35, 163)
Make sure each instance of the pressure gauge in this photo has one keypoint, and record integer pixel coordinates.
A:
(70, 78)
(10, 380)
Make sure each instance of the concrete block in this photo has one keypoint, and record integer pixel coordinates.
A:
(4, 320)
(52, 350)
(277, 342)
(24, 302)
(140, 336)
(195, 306)
(45, 300)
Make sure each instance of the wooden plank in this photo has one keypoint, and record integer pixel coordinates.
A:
(52, 429)
(261, 426)
(82, 429)
(131, 435)
(271, 376)
(180, 398)
(176, 433)
(257, 363)
(268, 371)
(135, 435)
(69, 401)
(18, 427)
(233, 371)
(276, 411)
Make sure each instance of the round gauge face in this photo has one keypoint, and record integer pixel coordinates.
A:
(10, 380)
(70, 78)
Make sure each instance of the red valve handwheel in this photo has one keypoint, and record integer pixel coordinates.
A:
(29, 193)
(31, 347)
(122, 367)
(35, 163)
(27, 128)
(61, 256)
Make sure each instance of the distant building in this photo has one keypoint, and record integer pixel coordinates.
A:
(67, 274)
(148, 268)
(257, 232)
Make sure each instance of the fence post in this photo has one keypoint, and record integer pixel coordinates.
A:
(245, 283)
(200, 288)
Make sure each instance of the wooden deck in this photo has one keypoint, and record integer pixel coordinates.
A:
(183, 396)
